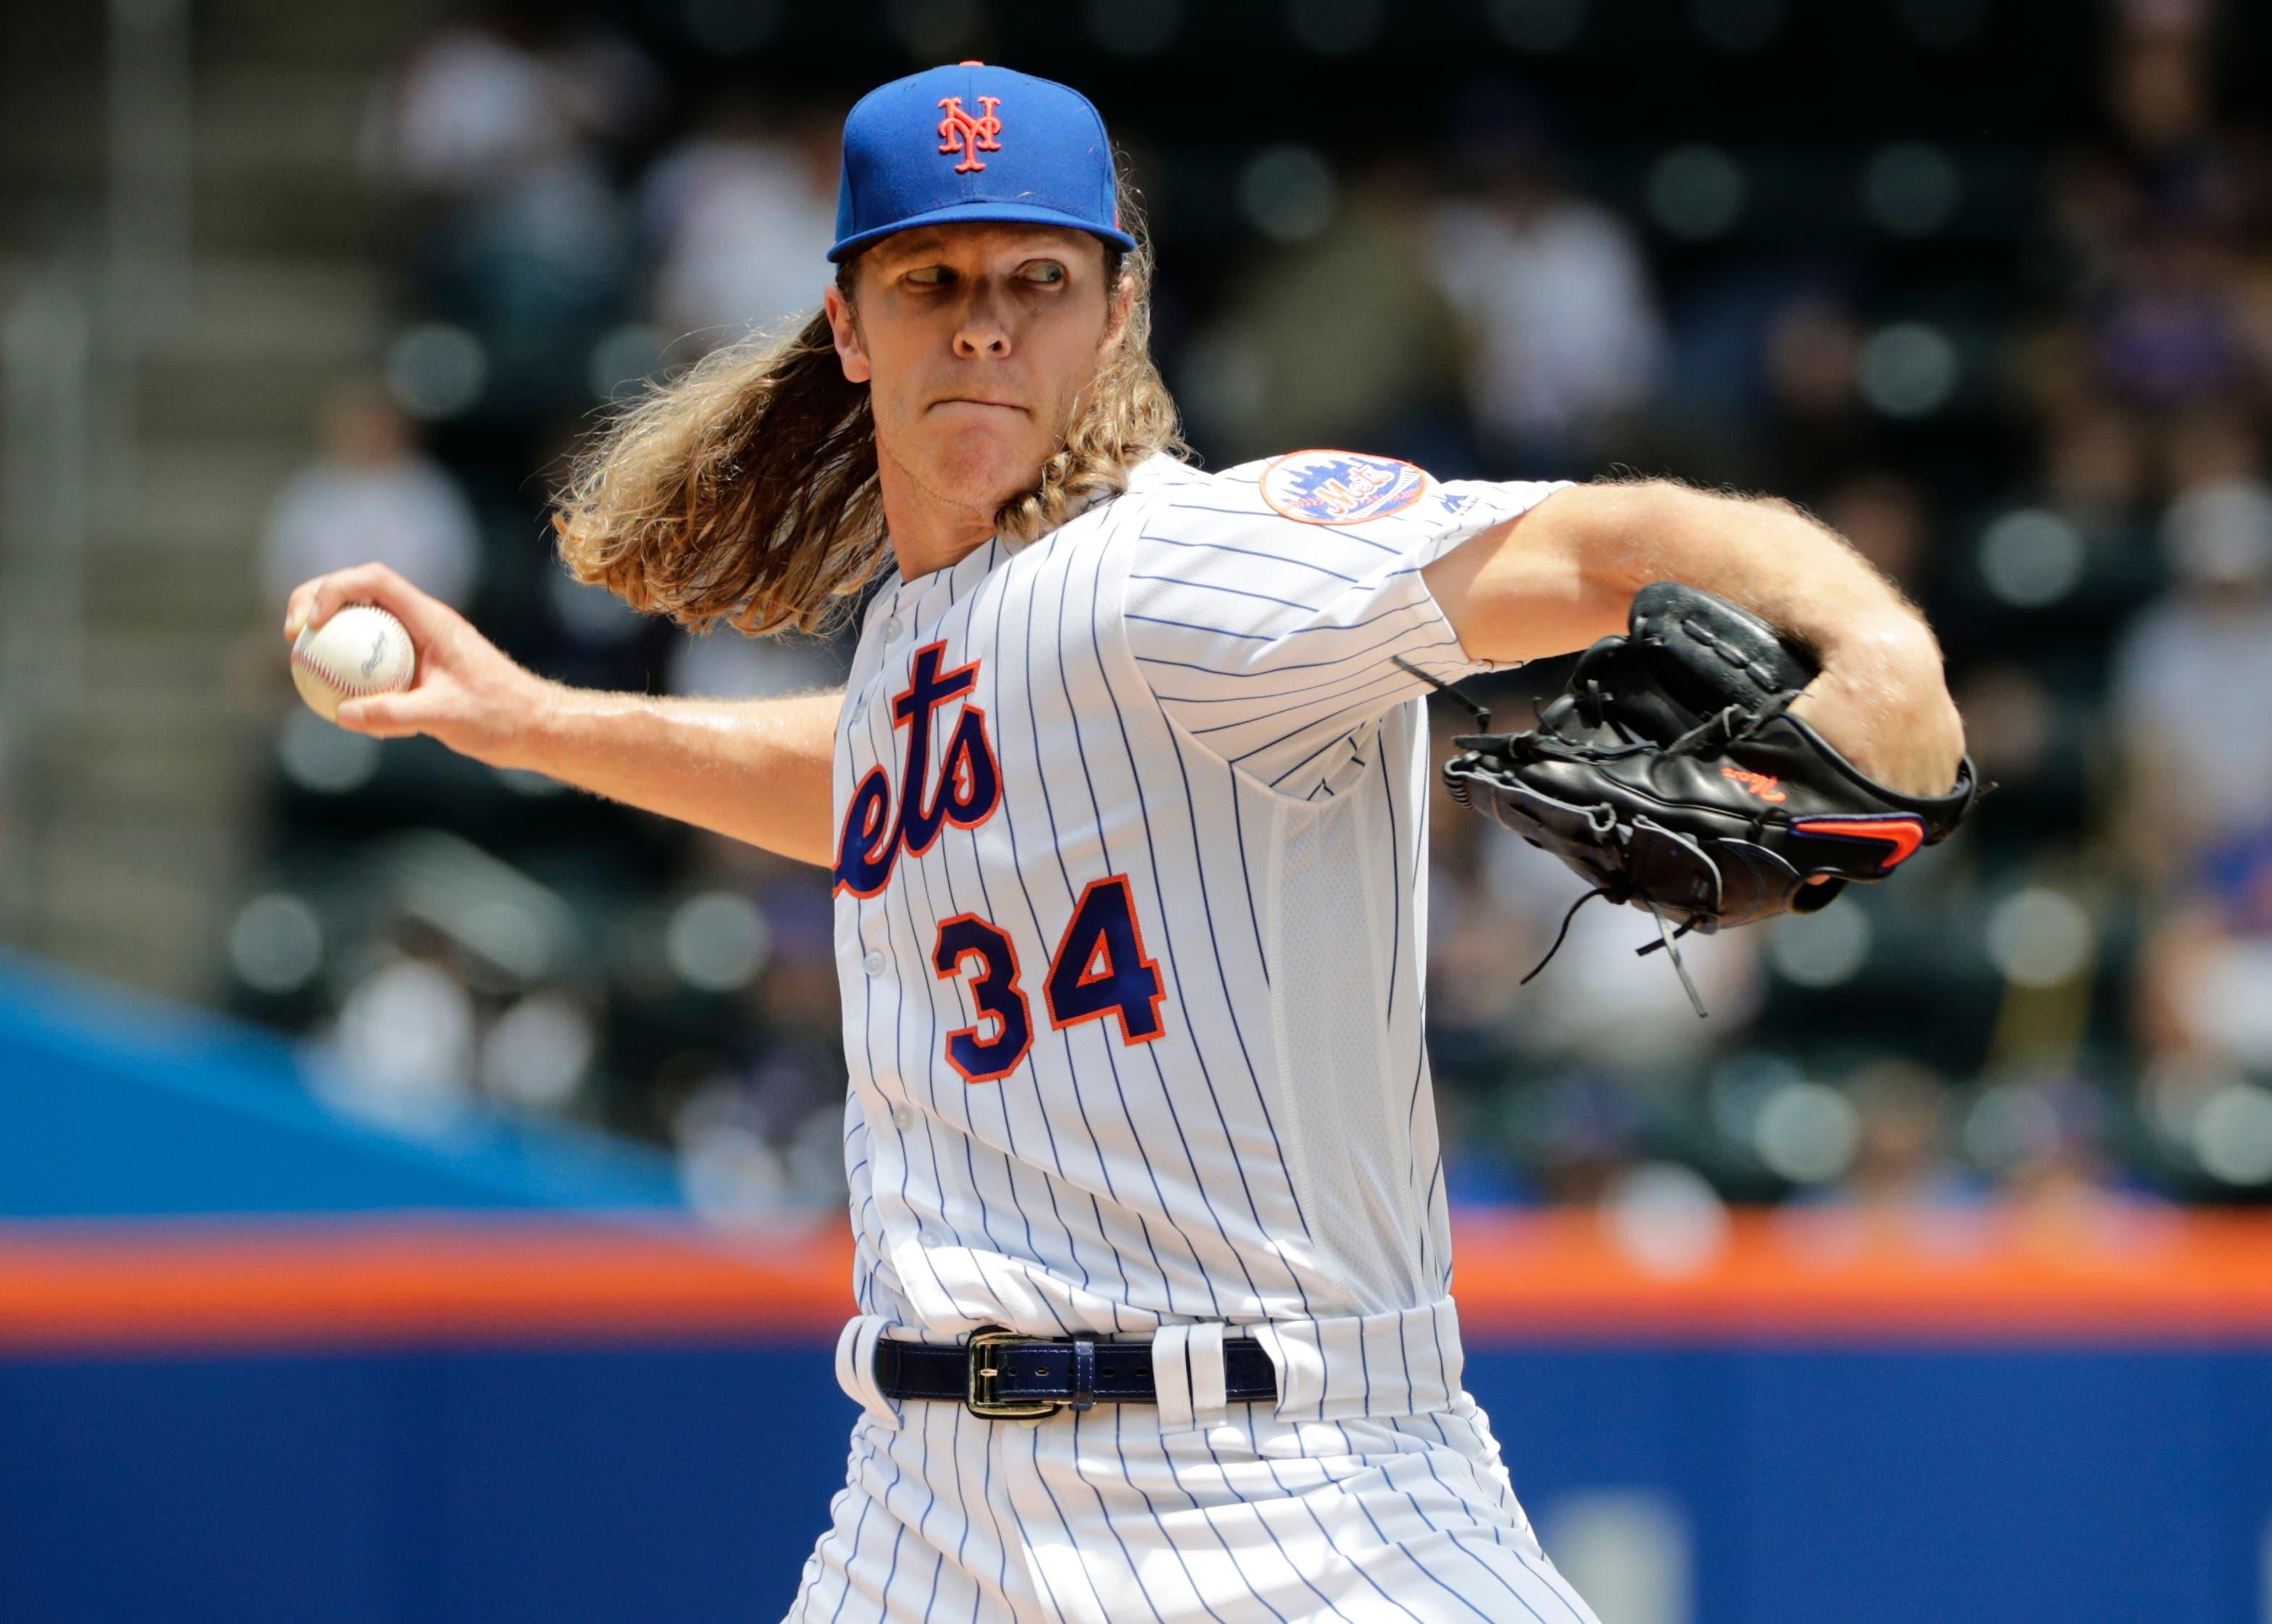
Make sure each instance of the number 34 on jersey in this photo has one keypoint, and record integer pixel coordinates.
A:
(1099, 969)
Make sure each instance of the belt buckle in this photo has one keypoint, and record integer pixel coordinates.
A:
(978, 1392)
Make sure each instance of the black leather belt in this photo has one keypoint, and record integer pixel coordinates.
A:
(999, 1373)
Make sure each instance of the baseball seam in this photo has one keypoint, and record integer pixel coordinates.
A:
(351, 687)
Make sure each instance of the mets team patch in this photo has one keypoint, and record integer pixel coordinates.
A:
(1340, 488)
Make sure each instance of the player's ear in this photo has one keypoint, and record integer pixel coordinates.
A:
(844, 327)
(1122, 307)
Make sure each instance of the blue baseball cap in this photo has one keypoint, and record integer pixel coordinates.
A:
(975, 143)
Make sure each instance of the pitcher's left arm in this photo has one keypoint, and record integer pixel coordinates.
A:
(1565, 573)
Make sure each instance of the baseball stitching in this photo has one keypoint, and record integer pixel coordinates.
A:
(349, 686)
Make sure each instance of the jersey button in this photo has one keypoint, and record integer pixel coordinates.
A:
(893, 629)
(873, 964)
(903, 1117)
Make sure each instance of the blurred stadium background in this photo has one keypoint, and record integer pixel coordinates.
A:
(1985, 283)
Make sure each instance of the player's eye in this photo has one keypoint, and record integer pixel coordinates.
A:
(1047, 272)
(930, 276)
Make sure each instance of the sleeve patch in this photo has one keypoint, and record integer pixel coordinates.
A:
(1340, 488)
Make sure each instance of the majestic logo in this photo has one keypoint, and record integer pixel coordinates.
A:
(967, 790)
(958, 131)
(1340, 488)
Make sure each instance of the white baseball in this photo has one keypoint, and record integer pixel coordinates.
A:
(361, 650)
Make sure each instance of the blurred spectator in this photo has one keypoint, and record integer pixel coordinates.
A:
(1568, 339)
(2168, 329)
(1817, 426)
(2203, 994)
(538, 1050)
(370, 497)
(482, 102)
(1901, 1161)
(2205, 988)
(497, 133)
(2008, 722)
(1810, 356)
(744, 217)
(762, 1135)
(2033, 745)
(2209, 441)
(2066, 560)
(2161, 91)
(1579, 1132)
(1383, 376)
(2192, 677)
(575, 632)
(2155, 219)
(2204, 1019)
(534, 277)
(2093, 469)
(1884, 516)
(403, 1049)
(730, 1174)
(2047, 1141)
(470, 109)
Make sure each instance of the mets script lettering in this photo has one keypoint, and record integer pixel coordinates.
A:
(1358, 487)
(968, 786)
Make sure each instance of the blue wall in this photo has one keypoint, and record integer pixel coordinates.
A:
(1822, 1486)
(114, 1104)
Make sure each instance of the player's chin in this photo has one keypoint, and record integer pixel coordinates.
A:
(983, 467)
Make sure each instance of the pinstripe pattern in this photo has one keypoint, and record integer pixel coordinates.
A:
(1106, 1518)
(1191, 695)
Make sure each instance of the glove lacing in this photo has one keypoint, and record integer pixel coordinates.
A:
(1720, 730)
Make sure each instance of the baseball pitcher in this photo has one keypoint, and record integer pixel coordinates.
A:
(1125, 805)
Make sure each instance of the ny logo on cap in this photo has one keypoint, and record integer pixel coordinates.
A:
(958, 131)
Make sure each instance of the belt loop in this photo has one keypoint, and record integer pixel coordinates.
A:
(1208, 1389)
(1171, 1377)
(1084, 1372)
(856, 1367)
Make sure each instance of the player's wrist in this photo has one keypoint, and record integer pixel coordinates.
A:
(1892, 651)
(1893, 723)
(536, 722)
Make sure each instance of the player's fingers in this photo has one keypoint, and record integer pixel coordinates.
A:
(426, 618)
(365, 584)
(315, 600)
(382, 716)
(297, 607)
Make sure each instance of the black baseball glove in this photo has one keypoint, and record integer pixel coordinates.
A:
(1669, 774)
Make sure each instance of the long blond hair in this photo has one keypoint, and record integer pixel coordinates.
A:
(746, 491)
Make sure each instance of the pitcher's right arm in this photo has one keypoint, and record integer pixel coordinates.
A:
(756, 769)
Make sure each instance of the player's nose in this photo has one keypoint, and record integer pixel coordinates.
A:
(983, 329)
(976, 340)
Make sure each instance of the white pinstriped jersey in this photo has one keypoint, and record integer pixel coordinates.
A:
(1129, 909)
